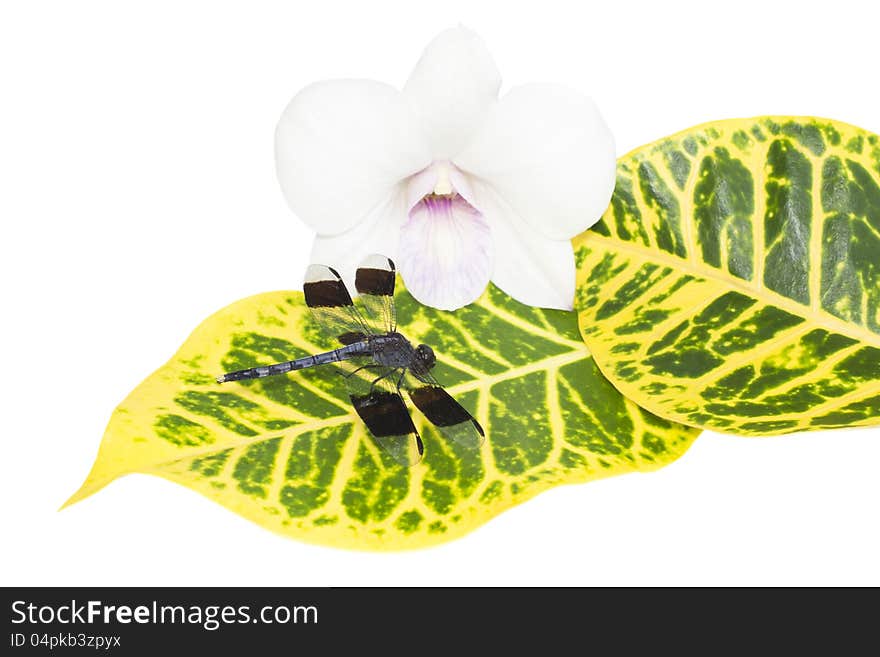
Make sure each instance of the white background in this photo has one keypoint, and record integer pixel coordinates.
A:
(136, 162)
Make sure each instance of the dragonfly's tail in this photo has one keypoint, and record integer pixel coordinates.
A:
(259, 372)
(300, 363)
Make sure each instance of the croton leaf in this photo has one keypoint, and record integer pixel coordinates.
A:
(734, 282)
(289, 453)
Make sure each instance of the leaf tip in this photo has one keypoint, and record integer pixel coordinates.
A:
(82, 493)
(89, 487)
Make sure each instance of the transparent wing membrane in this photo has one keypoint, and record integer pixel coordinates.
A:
(332, 307)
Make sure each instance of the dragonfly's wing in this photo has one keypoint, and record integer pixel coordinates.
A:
(331, 305)
(451, 418)
(376, 398)
(374, 281)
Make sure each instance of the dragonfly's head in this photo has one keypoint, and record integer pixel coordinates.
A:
(426, 356)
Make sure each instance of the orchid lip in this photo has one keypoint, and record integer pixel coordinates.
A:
(442, 203)
(445, 252)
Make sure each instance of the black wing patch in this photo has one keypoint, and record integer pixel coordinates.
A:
(450, 417)
(376, 276)
(324, 287)
(374, 281)
(331, 305)
(377, 400)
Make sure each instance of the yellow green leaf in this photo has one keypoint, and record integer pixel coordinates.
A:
(734, 282)
(289, 453)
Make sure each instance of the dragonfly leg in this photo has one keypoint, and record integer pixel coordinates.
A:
(379, 378)
(348, 375)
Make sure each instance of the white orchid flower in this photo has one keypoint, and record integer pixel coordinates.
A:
(454, 184)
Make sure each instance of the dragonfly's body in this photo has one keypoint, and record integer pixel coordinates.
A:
(388, 350)
(377, 362)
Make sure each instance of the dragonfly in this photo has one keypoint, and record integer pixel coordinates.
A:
(376, 362)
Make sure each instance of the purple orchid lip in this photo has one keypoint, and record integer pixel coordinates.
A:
(443, 203)
(445, 251)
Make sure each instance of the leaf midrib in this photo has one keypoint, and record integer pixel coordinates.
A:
(680, 265)
(478, 385)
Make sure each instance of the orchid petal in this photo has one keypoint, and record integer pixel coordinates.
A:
(378, 232)
(341, 146)
(452, 87)
(445, 252)
(547, 151)
(462, 184)
(530, 267)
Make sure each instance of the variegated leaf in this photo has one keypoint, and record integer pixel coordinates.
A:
(734, 282)
(289, 453)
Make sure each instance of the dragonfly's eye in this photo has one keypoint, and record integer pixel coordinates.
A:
(426, 355)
